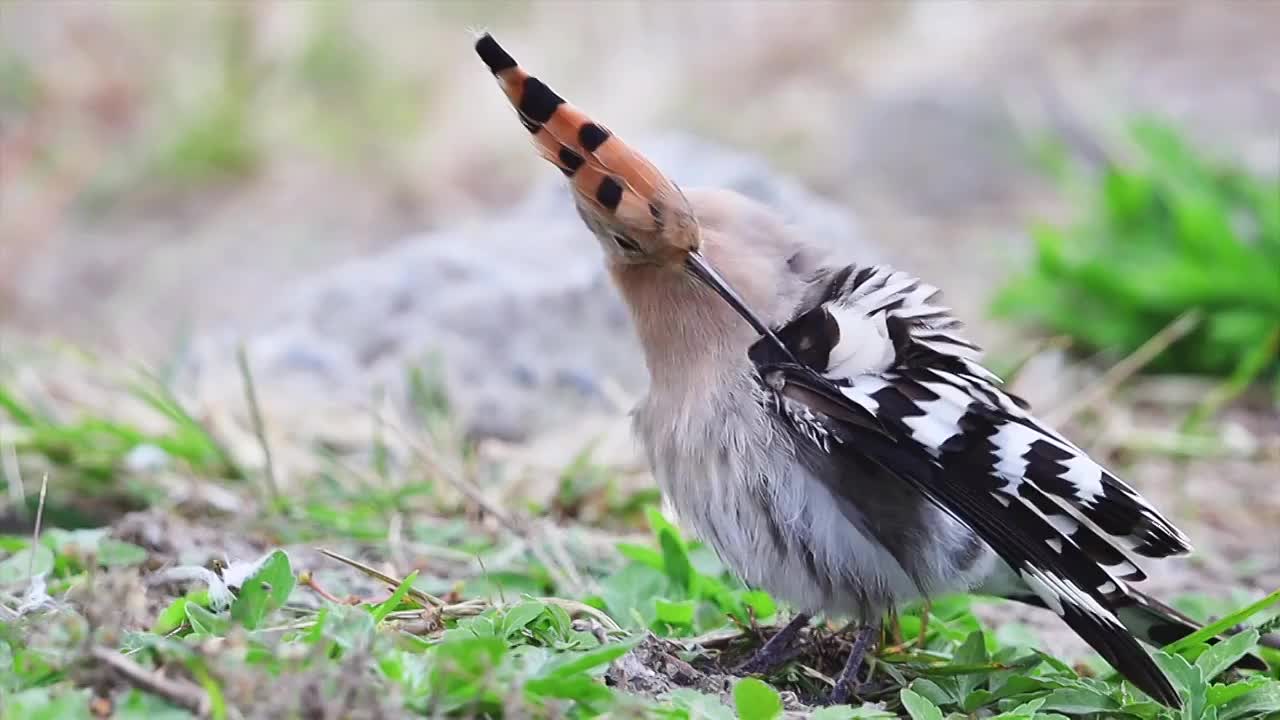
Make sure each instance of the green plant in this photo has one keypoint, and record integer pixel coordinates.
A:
(480, 626)
(1167, 233)
(215, 139)
(96, 446)
(678, 588)
(528, 657)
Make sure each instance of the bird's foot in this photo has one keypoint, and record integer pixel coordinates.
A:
(778, 650)
(847, 685)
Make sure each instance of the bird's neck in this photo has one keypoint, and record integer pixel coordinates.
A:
(693, 342)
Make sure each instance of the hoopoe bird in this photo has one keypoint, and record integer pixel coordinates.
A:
(825, 428)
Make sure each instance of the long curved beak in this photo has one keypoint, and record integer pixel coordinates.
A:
(699, 268)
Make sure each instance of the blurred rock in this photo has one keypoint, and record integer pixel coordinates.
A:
(937, 149)
(518, 309)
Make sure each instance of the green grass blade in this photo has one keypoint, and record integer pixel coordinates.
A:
(1215, 629)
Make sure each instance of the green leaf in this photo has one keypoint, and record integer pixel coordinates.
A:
(657, 522)
(205, 622)
(755, 700)
(42, 703)
(566, 677)
(709, 617)
(972, 652)
(582, 688)
(761, 603)
(19, 567)
(1225, 653)
(1016, 635)
(138, 705)
(597, 657)
(1167, 234)
(641, 554)
(386, 607)
(1146, 710)
(1187, 678)
(934, 692)
(463, 666)
(679, 613)
(112, 552)
(918, 706)
(1222, 694)
(631, 591)
(1213, 630)
(1257, 704)
(699, 706)
(1025, 711)
(172, 617)
(519, 616)
(675, 559)
(20, 413)
(1079, 700)
(976, 699)
(264, 591)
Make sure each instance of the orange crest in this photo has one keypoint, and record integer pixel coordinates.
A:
(603, 170)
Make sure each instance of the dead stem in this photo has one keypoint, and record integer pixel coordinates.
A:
(184, 694)
(425, 599)
(1126, 368)
(565, 575)
(924, 624)
(35, 534)
(259, 427)
(309, 581)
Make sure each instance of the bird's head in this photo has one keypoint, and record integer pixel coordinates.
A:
(639, 215)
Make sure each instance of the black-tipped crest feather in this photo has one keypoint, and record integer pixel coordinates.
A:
(493, 55)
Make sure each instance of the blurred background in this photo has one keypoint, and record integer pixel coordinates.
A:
(339, 188)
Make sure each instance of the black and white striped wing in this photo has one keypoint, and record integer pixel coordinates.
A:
(885, 371)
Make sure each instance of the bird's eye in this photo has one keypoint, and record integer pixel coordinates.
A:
(626, 243)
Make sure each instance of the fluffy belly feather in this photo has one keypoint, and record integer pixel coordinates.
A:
(777, 526)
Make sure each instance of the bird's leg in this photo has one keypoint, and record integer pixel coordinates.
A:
(774, 652)
(848, 680)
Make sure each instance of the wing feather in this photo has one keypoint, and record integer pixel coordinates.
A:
(886, 373)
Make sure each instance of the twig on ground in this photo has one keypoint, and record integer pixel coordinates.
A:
(1254, 363)
(425, 599)
(817, 675)
(468, 607)
(924, 624)
(184, 694)
(259, 427)
(573, 607)
(714, 639)
(565, 575)
(1013, 374)
(35, 533)
(1243, 446)
(895, 626)
(1126, 368)
(309, 581)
